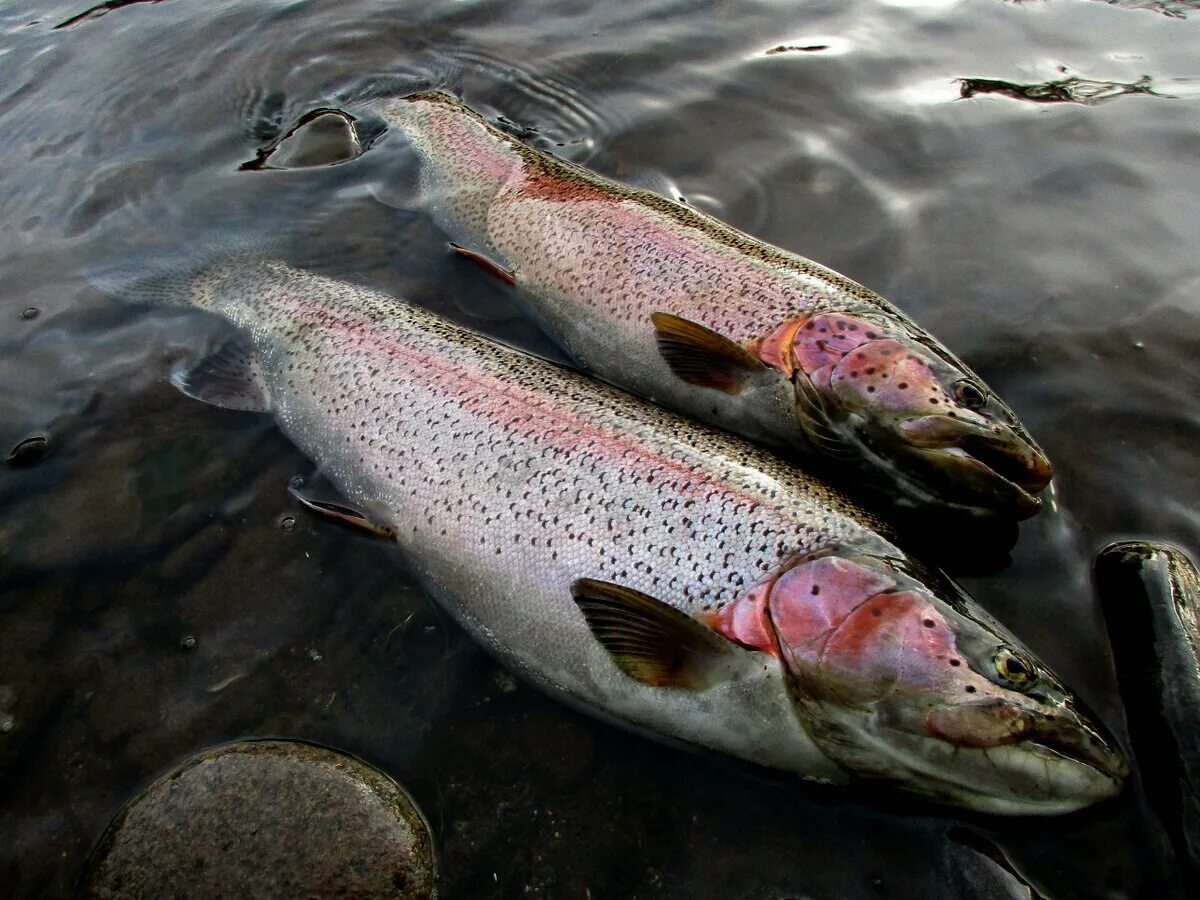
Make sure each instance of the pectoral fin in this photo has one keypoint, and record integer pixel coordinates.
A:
(700, 356)
(490, 266)
(647, 639)
(229, 377)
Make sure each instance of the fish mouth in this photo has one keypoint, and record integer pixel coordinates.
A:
(993, 456)
(1029, 778)
(1068, 737)
(1047, 771)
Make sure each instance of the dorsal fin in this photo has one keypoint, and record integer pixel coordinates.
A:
(700, 356)
(649, 641)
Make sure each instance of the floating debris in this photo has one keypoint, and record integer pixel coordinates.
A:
(101, 9)
(791, 48)
(30, 312)
(1063, 90)
(28, 452)
(1176, 9)
(1150, 594)
(267, 819)
(323, 137)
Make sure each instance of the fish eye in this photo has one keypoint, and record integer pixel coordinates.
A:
(969, 394)
(1013, 669)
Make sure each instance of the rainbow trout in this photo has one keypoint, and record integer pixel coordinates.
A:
(676, 306)
(655, 571)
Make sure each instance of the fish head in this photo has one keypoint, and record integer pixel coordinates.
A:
(876, 387)
(896, 684)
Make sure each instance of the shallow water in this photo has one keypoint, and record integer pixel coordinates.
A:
(155, 599)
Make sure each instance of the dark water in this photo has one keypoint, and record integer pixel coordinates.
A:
(154, 601)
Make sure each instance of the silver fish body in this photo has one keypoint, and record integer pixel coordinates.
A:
(518, 489)
(597, 260)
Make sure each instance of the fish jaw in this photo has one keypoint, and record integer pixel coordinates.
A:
(865, 387)
(895, 684)
(1011, 779)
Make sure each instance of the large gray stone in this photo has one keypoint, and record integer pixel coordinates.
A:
(267, 819)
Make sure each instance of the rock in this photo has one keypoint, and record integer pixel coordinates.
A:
(1150, 594)
(266, 819)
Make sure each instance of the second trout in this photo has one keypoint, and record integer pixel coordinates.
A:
(683, 309)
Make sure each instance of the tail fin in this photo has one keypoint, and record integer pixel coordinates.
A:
(159, 282)
(182, 275)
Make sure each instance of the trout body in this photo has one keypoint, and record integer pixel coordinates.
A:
(683, 309)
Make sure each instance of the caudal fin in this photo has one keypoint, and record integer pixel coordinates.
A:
(183, 273)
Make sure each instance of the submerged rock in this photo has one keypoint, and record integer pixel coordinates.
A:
(1150, 594)
(267, 819)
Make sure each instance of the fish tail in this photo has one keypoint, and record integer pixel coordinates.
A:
(178, 277)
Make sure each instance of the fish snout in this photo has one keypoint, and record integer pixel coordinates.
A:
(992, 447)
(1080, 738)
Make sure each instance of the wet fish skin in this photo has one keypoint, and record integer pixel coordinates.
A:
(528, 497)
(596, 259)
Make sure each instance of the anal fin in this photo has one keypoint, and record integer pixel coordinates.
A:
(490, 266)
(230, 377)
(648, 640)
(700, 356)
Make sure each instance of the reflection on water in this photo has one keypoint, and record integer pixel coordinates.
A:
(151, 604)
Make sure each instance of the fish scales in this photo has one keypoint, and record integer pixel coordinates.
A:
(406, 409)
